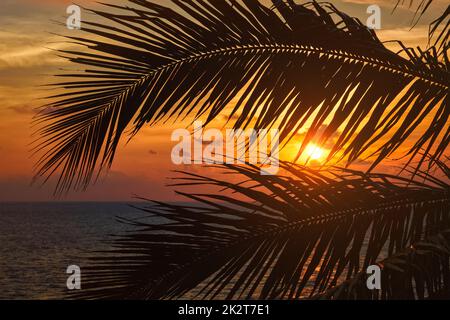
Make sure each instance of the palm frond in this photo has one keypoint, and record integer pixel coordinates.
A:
(441, 38)
(291, 66)
(422, 6)
(422, 271)
(290, 236)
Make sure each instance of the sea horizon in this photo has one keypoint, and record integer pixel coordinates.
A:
(41, 239)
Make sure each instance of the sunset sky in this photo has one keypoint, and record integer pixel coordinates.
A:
(142, 166)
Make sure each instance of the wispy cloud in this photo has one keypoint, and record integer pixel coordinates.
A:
(21, 51)
(23, 109)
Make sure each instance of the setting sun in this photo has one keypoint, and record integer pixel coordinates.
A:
(228, 151)
(314, 152)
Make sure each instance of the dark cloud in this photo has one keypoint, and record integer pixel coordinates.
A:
(116, 186)
(23, 109)
(234, 117)
(331, 141)
(208, 142)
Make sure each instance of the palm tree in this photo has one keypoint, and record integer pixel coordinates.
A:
(292, 66)
(443, 20)
(309, 233)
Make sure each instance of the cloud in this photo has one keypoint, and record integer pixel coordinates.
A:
(328, 144)
(25, 52)
(115, 186)
(233, 118)
(23, 109)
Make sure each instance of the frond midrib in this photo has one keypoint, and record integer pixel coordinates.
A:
(282, 49)
(295, 49)
(325, 218)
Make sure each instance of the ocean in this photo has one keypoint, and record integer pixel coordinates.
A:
(38, 241)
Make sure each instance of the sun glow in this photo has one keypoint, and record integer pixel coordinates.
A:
(314, 152)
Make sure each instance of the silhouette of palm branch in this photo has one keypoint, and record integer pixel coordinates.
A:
(306, 233)
(443, 20)
(422, 7)
(441, 39)
(291, 66)
(418, 272)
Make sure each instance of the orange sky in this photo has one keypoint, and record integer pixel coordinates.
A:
(142, 166)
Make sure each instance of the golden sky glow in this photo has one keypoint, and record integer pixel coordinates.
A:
(141, 167)
(314, 152)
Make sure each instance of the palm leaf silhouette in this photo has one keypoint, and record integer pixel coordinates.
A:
(441, 39)
(289, 236)
(418, 272)
(443, 21)
(291, 66)
(422, 7)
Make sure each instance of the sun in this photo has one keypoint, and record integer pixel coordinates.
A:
(314, 152)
